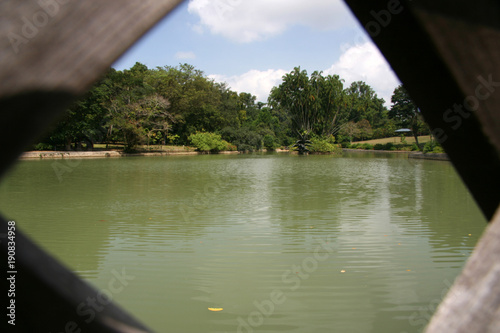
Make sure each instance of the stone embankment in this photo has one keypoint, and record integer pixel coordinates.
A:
(101, 154)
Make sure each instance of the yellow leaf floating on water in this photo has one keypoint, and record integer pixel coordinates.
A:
(216, 309)
(342, 271)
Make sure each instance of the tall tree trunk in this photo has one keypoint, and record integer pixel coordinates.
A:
(90, 144)
(414, 129)
(67, 145)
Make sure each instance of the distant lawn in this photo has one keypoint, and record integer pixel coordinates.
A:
(397, 139)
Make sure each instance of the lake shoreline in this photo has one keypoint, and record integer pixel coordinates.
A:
(411, 154)
(30, 155)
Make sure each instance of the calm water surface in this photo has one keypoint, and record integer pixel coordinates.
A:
(361, 243)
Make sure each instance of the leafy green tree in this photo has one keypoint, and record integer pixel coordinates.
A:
(297, 97)
(312, 104)
(195, 101)
(244, 138)
(405, 113)
(350, 130)
(129, 92)
(329, 98)
(269, 142)
(363, 103)
(364, 129)
(385, 129)
(153, 117)
(320, 145)
(85, 121)
(142, 105)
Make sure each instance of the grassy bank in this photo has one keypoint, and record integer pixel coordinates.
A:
(396, 140)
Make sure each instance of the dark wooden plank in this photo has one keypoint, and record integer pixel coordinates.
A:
(50, 298)
(447, 54)
(443, 52)
(51, 51)
(60, 48)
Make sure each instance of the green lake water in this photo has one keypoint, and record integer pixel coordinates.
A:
(283, 243)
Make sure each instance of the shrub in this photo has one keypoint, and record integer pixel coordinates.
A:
(405, 148)
(321, 145)
(365, 146)
(414, 147)
(269, 142)
(433, 147)
(229, 146)
(428, 147)
(389, 146)
(205, 141)
(379, 146)
(43, 146)
(438, 150)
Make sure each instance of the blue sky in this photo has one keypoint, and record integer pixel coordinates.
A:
(251, 44)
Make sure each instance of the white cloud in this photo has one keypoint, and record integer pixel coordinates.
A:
(247, 21)
(364, 62)
(255, 82)
(185, 55)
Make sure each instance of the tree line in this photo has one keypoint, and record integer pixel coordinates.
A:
(172, 105)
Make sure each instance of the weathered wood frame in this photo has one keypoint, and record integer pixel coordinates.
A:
(443, 51)
(447, 55)
(51, 52)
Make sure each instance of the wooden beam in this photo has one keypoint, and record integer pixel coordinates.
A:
(447, 55)
(50, 298)
(473, 303)
(51, 51)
